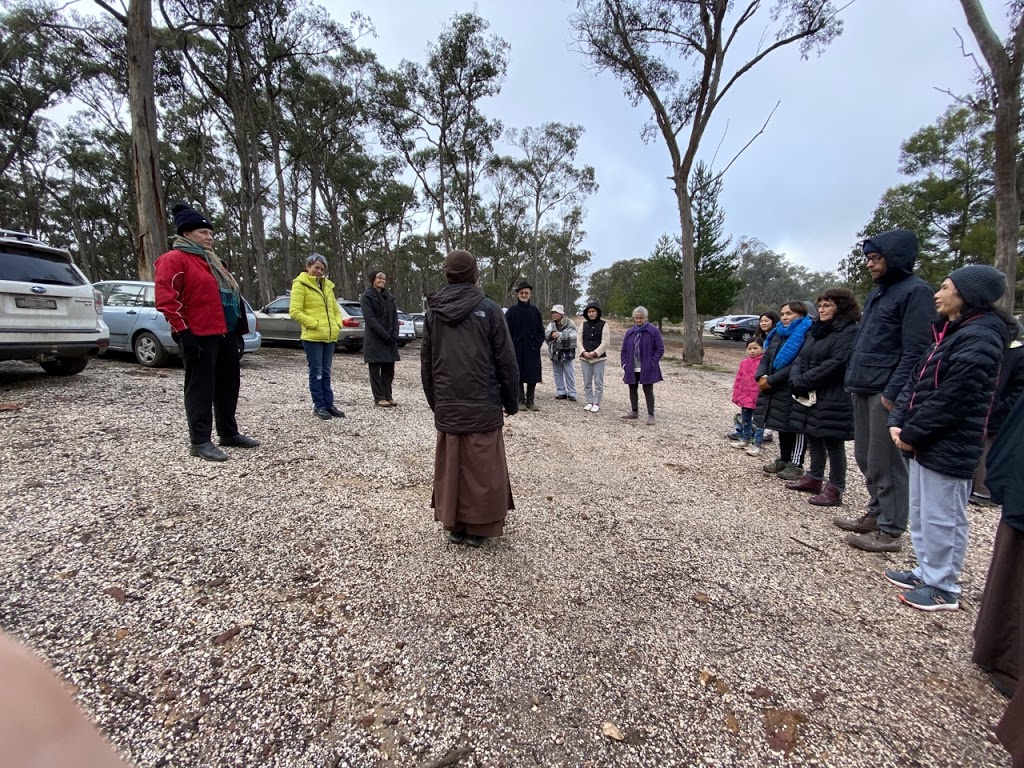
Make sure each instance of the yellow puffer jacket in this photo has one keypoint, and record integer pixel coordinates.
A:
(313, 307)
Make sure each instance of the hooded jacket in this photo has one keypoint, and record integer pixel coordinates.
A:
(467, 361)
(775, 407)
(313, 307)
(593, 336)
(380, 318)
(943, 407)
(894, 327)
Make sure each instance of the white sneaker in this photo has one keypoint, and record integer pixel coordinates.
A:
(754, 450)
(588, 406)
(740, 445)
(595, 408)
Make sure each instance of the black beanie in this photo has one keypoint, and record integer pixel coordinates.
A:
(187, 218)
(979, 285)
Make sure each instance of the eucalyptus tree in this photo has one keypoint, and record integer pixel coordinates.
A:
(503, 242)
(640, 41)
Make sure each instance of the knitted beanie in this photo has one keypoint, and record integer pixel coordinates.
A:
(460, 267)
(979, 285)
(187, 219)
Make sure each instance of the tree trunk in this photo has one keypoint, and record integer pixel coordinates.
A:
(1006, 192)
(692, 330)
(149, 206)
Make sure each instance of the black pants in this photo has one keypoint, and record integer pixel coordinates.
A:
(634, 396)
(381, 376)
(834, 450)
(526, 392)
(791, 447)
(211, 381)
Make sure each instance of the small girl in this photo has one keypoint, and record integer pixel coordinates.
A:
(744, 394)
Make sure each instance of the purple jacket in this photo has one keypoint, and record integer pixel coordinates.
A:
(652, 348)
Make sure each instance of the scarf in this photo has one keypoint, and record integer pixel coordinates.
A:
(793, 334)
(225, 280)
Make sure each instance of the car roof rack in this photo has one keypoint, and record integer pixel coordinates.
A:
(15, 235)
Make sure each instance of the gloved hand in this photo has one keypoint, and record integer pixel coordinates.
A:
(186, 338)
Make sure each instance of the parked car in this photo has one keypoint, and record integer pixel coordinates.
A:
(406, 329)
(741, 330)
(709, 324)
(137, 326)
(729, 323)
(418, 319)
(48, 310)
(277, 326)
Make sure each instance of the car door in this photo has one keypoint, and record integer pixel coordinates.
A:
(122, 303)
(275, 324)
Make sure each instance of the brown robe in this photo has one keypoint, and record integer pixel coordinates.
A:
(472, 491)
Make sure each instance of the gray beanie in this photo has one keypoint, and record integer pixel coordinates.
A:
(314, 258)
(979, 285)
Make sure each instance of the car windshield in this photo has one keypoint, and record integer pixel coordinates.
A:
(352, 308)
(31, 266)
(403, 316)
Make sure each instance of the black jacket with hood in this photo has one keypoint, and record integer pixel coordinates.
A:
(895, 325)
(467, 361)
(592, 331)
(943, 407)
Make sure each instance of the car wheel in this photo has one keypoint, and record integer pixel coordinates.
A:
(747, 336)
(65, 366)
(148, 350)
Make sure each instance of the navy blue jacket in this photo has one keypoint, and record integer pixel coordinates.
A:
(894, 328)
(943, 407)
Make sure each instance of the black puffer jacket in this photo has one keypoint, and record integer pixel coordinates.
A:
(943, 407)
(894, 328)
(821, 367)
(467, 361)
(380, 326)
(1010, 385)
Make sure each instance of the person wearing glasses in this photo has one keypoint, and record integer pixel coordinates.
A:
(895, 330)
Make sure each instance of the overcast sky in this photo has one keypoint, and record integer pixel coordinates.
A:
(805, 187)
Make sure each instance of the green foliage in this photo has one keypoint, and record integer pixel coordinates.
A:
(716, 269)
(656, 285)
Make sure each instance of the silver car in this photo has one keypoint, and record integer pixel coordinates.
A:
(137, 326)
(277, 326)
(418, 319)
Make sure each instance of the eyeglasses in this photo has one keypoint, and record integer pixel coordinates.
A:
(874, 258)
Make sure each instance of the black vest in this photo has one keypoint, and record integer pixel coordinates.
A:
(592, 331)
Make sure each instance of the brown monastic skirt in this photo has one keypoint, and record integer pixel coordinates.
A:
(999, 631)
(472, 492)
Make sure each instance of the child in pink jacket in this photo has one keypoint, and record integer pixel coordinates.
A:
(744, 394)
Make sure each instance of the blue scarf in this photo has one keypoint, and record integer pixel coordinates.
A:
(794, 339)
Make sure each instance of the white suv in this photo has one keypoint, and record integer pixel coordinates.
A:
(49, 311)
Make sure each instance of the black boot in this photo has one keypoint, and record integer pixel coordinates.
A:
(208, 451)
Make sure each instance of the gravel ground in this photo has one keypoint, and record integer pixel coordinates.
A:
(656, 601)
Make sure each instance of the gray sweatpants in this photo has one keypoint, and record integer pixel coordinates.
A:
(938, 526)
(882, 464)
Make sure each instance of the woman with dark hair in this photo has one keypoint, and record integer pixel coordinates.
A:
(775, 403)
(380, 344)
(823, 410)
(765, 323)
(938, 422)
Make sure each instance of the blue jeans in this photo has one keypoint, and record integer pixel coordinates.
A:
(319, 356)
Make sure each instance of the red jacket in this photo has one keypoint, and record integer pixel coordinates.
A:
(188, 295)
(745, 389)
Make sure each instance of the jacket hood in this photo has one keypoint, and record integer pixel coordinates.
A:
(453, 302)
(899, 246)
(592, 305)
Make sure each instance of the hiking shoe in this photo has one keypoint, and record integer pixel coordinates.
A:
(903, 579)
(588, 407)
(455, 538)
(876, 541)
(866, 523)
(532, 406)
(754, 450)
(740, 445)
(631, 415)
(650, 419)
(734, 436)
(475, 541)
(926, 598)
(790, 472)
(322, 413)
(774, 467)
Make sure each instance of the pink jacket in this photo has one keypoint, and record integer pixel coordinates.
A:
(745, 389)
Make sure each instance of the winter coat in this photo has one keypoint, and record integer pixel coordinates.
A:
(821, 368)
(652, 349)
(943, 407)
(894, 327)
(313, 307)
(380, 321)
(593, 336)
(775, 407)
(562, 349)
(467, 361)
(744, 388)
(527, 330)
(1003, 476)
(188, 295)
(1009, 387)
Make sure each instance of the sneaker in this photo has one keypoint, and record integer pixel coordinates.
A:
(561, 397)
(866, 523)
(650, 419)
(754, 450)
(876, 541)
(631, 415)
(734, 436)
(596, 408)
(790, 472)
(774, 467)
(588, 407)
(322, 413)
(926, 598)
(981, 501)
(903, 579)
(572, 398)
(769, 436)
(336, 412)
(740, 444)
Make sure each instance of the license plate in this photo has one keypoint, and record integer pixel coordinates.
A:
(32, 302)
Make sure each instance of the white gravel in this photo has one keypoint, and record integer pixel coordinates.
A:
(297, 606)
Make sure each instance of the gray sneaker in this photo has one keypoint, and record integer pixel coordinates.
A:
(650, 419)
(774, 467)
(790, 472)
(876, 541)
(866, 523)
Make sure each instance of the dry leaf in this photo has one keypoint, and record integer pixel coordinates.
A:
(12, 406)
(706, 676)
(780, 728)
(722, 687)
(732, 725)
(611, 730)
(701, 598)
